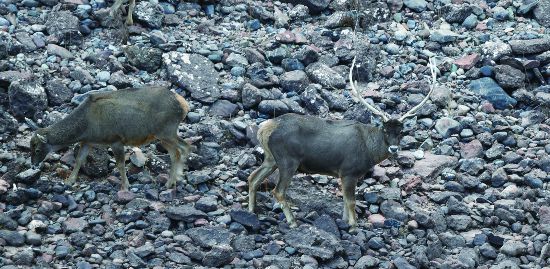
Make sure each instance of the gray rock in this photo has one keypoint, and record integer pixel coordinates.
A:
(129, 215)
(6, 222)
(179, 258)
(324, 75)
(501, 14)
(447, 126)
(451, 240)
(207, 204)
(218, 256)
(402, 263)
(235, 59)
(97, 162)
(208, 237)
(472, 166)
(340, 19)
(277, 55)
(64, 26)
(294, 81)
(458, 13)
(193, 72)
(12, 238)
(513, 248)
(246, 218)
(394, 210)
(252, 96)
(488, 251)
(28, 176)
(416, 5)
(457, 207)
(73, 225)
(314, 6)
(198, 177)
(366, 262)
(327, 224)
(314, 242)
(27, 98)
(24, 257)
(530, 46)
(432, 165)
(279, 107)
(509, 77)
(58, 93)
(443, 36)
(185, 213)
(148, 59)
(313, 102)
(8, 124)
(305, 196)
(149, 13)
(542, 12)
(224, 108)
(495, 50)
(459, 222)
(26, 40)
(33, 238)
(492, 92)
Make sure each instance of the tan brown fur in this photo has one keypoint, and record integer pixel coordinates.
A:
(265, 131)
(183, 104)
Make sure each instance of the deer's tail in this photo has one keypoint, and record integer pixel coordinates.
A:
(183, 104)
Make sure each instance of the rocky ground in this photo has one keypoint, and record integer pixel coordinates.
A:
(469, 189)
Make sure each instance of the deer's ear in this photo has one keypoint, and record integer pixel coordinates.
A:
(42, 138)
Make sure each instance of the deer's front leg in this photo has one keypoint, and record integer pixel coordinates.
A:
(348, 189)
(80, 159)
(120, 157)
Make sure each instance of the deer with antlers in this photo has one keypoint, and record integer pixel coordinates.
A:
(340, 148)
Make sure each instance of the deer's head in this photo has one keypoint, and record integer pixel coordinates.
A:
(391, 127)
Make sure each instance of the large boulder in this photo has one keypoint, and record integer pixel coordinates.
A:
(193, 72)
(542, 12)
(27, 98)
(64, 26)
(148, 59)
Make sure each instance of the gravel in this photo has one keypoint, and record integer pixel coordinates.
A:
(469, 188)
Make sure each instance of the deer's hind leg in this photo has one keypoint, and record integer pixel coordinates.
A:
(254, 180)
(287, 169)
(80, 159)
(120, 157)
(131, 6)
(348, 189)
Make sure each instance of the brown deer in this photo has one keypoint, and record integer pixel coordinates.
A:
(340, 148)
(124, 117)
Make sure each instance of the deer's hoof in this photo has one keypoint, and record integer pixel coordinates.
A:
(352, 230)
(293, 224)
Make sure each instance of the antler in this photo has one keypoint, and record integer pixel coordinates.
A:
(411, 112)
(385, 117)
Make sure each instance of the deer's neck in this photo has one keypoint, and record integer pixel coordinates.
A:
(376, 148)
(66, 131)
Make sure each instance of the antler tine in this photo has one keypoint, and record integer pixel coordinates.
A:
(432, 87)
(361, 99)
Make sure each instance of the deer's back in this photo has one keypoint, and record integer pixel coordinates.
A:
(321, 146)
(132, 116)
